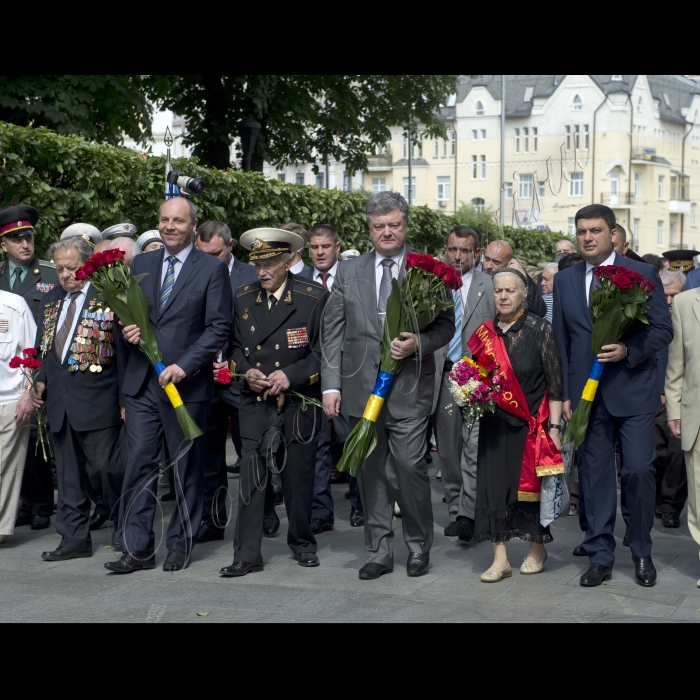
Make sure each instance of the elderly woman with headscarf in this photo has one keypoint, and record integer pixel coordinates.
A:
(519, 442)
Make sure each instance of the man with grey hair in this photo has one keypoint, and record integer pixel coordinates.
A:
(352, 343)
(564, 246)
(128, 245)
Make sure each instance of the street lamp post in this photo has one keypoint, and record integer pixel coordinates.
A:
(248, 129)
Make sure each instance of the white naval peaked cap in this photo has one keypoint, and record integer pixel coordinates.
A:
(127, 230)
(149, 237)
(87, 231)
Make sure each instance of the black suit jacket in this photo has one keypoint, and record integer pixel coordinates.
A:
(193, 326)
(90, 400)
(39, 281)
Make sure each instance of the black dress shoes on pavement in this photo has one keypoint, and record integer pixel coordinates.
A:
(371, 571)
(135, 561)
(670, 520)
(644, 571)
(417, 564)
(307, 559)
(40, 522)
(626, 538)
(451, 529)
(279, 498)
(357, 517)
(465, 529)
(64, 554)
(234, 469)
(176, 561)
(240, 568)
(271, 523)
(209, 533)
(580, 551)
(595, 574)
(319, 525)
(97, 520)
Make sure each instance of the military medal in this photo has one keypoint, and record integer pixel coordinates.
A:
(297, 337)
(252, 329)
(4, 325)
(245, 314)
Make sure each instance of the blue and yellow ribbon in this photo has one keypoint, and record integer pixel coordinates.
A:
(589, 391)
(379, 393)
(170, 388)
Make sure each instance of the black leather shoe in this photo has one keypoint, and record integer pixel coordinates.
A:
(451, 529)
(371, 571)
(671, 520)
(40, 522)
(114, 540)
(209, 533)
(417, 564)
(176, 561)
(240, 568)
(626, 538)
(644, 571)
(595, 574)
(64, 554)
(307, 559)
(465, 529)
(234, 469)
(357, 518)
(319, 525)
(128, 563)
(580, 551)
(657, 511)
(271, 523)
(97, 520)
(23, 519)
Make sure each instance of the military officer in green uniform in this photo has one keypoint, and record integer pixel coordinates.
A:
(277, 344)
(24, 274)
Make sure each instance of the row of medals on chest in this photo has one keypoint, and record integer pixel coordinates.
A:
(92, 343)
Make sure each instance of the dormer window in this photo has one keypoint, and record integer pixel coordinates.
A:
(577, 103)
(478, 109)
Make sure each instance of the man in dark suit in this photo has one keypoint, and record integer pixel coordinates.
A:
(24, 274)
(78, 349)
(277, 344)
(625, 403)
(214, 238)
(189, 308)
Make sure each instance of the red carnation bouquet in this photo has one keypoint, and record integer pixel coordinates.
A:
(620, 300)
(110, 277)
(415, 301)
(30, 368)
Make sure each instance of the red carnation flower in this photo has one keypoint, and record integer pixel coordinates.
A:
(31, 363)
(15, 362)
(30, 352)
(224, 376)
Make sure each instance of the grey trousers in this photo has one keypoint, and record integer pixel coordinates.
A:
(396, 471)
(457, 452)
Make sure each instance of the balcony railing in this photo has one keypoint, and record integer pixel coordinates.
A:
(622, 199)
(380, 162)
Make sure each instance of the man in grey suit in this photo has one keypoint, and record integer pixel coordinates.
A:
(474, 304)
(352, 340)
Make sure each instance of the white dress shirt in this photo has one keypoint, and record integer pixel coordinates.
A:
(379, 269)
(329, 282)
(467, 278)
(79, 303)
(296, 269)
(589, 274)
(230, 265)
(181, 257)
(17, 333)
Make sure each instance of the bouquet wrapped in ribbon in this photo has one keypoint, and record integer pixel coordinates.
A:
(413, 304)
(30, 368)
(110, 277)
(617, 303)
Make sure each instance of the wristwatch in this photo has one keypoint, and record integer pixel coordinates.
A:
(557, 426)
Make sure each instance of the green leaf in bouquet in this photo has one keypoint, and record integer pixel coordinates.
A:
(630, 310)
(137, 302)
(606, 327)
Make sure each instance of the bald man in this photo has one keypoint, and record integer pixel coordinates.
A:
(564, 246)
(499, 254)
(129, 246)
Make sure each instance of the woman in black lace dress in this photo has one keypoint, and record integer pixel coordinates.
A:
(532, 350)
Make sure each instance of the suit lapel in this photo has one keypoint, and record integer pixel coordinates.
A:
(155, 272)
(30, 279)
(181, 280)
(281, 312)
(368, 291)
(578, 280)
(474, 295)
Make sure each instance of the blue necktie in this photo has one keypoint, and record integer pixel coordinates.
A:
(454, 351)
(168, 283)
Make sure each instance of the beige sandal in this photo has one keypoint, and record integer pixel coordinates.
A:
(495, 576)
(530, 568)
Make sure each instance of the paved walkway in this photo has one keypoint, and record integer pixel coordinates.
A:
(32, 590)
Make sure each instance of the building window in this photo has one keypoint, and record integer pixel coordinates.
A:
(693, 208)
(300, 178)
(614, 185)
(577, 104)
(526, 140)
(616, 78)
(406, 193)
(640, 105)
(586, 137)
(509, 190)
(540, 189)
(444, 149)
(660, 234)
(576, 137)
(517, 140)
(474, 134)
(474, 167)
(321, 180)
(483, 167)
(478, 109)
(635, 233)
(435, 148)
(672, 234)
(378, 184)
(534, 139)
(347, 182)
(443, 189)
(404, 147)
(525, 187)
(637, 185)
(453, 144)
(478, 204)
(572, 226)
(281, 177)
(483, 134)
(568, 137)
(661, 186)
(576, 185)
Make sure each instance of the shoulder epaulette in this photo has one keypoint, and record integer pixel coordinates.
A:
(312, 289)
(247, 289)
(47, 263)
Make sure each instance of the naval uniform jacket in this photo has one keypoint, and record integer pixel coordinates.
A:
(89, 399)
(287, 339)
(40, 279)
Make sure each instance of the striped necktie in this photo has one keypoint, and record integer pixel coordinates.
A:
(168, 283)
(66, 328)
(454, 350)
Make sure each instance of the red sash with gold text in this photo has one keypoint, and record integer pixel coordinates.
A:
(540, 456)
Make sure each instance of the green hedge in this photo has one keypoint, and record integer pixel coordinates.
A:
(69, 179)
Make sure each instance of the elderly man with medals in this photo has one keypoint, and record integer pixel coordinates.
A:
(80, 376)
(276, 345)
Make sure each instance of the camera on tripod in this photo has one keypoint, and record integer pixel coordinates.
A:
(192, 185)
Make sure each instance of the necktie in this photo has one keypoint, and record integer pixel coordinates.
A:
(65, 330)
(385, 285)
(168, 283)
(17, 279)
(324, 278)
(595, 284)
(454, 351)
(272, 302)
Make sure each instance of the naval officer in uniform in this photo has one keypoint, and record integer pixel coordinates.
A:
(276, 339)
(24, 274)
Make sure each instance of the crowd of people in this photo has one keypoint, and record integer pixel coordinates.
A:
(283, 357)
